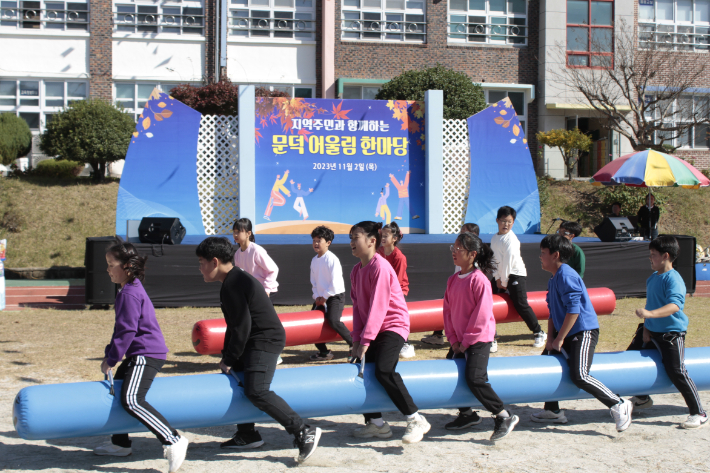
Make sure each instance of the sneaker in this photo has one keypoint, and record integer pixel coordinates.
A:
(503, 426)
(266, 217)
(641, 403)
(621, 413)
(175, 453)
(407, 351)
(494, 347)
(307, 441)
(110, 450)
(540, 339)
(695, 421)
(463, 421)
(433, 340)
(322, 356)
(416, 430)
(544, 416)
(398, 218)
(371, 430)
(280, 360)
(243, 440)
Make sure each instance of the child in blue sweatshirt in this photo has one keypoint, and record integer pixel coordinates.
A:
(573, 331)
(137, 336)
(664, 326)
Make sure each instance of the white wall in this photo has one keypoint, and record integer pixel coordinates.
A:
(44, 56)
(271, 64)
(159, 60)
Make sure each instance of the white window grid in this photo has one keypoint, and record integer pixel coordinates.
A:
(147, 17)
(133, 96)
(687, 30)
(518, 101)
(488, 22)
(678, 112)
(272, 19)
(296, 91)
(361, 92)
(36, 100)
(384, 20)
(44, 15)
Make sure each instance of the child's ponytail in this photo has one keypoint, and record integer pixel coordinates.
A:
(484, 255)
(244, 225)
(132, 262)
(396, 232)
(370, 229)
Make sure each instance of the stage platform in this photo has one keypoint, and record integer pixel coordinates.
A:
(173, 280)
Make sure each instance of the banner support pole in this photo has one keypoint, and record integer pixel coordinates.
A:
(434, 155)
(247, 152)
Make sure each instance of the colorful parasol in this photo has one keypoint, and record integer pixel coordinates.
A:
(650, 169)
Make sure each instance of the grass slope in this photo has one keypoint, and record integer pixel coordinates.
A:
(56, 216)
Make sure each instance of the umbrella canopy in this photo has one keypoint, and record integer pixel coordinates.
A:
(650, 169)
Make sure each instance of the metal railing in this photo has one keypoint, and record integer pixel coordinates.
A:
(400, 30)
(182, 20)
(253, 26)
(476, 32)
(679, 37)
(74, 17)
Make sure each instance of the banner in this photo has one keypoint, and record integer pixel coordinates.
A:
(338, 162)
(502, 170)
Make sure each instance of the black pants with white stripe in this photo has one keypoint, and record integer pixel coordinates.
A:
(671, 346)
(579, 351)
(137, 373)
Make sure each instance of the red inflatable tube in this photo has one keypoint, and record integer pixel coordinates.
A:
(305, 328)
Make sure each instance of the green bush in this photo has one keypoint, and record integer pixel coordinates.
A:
(94, 132)
(15, 138)
(58, 168)
(462, 98)
(543, 188)
(630, 198)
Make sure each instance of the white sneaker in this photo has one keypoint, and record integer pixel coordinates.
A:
(545, 416)
(280, 360)
(640, 403)
(540, 339)
(175, 453)
(621, 413)
(407, 351)
(371, 430)
(695, 421)
(494, 347)
(110, 450)
(416, 430)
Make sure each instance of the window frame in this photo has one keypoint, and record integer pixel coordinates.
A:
(48, 16)
(135, 109)
(589, 54)
(387, 28)
(523, 119)
(301, 29)
(649, 30)
(454, 37)
(162, 21)
(676, 117)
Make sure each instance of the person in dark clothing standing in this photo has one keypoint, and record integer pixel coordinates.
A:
(648, 216)
(252, 344)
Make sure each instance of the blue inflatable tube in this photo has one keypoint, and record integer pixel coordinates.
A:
(85, 409)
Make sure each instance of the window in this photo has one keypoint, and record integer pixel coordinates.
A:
(45, 15)
(488, 21)
(384, 20)
(684, 110)
(682, 25)
(516, 98)
(359, 92)
(37, 100)
(297, 91)
(187, 18)
(133, 96)
(272, 19)
(590, 33)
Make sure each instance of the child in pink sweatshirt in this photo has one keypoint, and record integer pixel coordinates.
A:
(470, 327)
(380, 327)
(252, 258)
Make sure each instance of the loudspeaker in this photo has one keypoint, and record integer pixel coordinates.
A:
(158, 230)
(614, 229)
(685, 263)
(97, 284)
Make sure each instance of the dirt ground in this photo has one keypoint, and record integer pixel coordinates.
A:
(49, 346)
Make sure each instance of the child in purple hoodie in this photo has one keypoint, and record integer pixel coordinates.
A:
(380, 328)
(137, 335)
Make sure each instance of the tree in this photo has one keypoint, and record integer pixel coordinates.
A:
(462, 98)
(645, 90)
(220, 98)
(569, 142)
(15, 138)
(94, 132)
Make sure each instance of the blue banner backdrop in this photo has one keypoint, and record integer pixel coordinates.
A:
(338, 162)
(160, 174)
(502, 170)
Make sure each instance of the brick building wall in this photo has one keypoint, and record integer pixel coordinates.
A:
(101, 49)
(211, 39)
(385, 60)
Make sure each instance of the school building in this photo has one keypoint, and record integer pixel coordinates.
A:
(55, 52)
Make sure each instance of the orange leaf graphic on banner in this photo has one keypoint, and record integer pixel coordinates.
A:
(503, 112)
(413, 127)
(146, 123)
(166, 113)
(158, 117)
(135, 133)
(257, 134)
(516, 130)
(506, 124)
(161, 105)
(499, 120)
(338, 113)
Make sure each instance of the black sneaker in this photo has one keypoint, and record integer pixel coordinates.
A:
(463, 421)
(307, 442)
(243, 440)
(503, 426)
